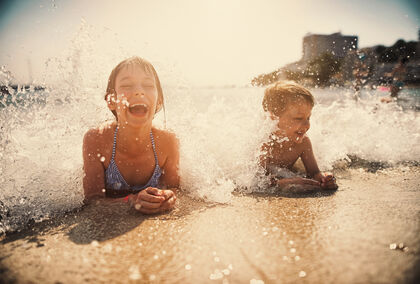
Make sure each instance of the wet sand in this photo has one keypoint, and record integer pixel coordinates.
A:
(334, 237)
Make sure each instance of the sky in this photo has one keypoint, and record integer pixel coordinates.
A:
(206, 42)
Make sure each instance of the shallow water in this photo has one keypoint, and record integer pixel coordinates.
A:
(336, 237)
(220, 132)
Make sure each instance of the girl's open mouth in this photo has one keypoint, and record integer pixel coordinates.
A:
(138, 109)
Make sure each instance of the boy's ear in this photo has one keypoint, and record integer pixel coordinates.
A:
(272, 116)
(110, 101)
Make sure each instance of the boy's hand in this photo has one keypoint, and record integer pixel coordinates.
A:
(327, 180)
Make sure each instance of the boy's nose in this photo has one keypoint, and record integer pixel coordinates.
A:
(306, 125)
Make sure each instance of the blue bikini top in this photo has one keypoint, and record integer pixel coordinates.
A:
(114, 181)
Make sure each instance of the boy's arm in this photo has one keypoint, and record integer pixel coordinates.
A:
(263, 160)
(327, 180)
(94, 174)
(308, 159)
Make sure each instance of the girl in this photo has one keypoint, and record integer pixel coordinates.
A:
(130, 158)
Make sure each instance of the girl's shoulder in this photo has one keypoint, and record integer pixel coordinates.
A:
(165, 139)
(99, 136)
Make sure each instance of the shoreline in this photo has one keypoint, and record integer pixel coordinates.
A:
(341, 237)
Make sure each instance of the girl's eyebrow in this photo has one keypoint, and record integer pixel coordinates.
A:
(129, 78)
(125, 78)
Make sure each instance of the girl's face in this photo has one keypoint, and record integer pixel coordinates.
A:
(136, 96)
(293, 123)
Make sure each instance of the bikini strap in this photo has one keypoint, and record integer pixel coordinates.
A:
(114, 146)
(154, 147)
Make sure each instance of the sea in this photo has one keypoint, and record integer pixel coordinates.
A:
(220, 130)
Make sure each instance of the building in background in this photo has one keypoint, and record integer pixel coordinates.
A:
(336, 44)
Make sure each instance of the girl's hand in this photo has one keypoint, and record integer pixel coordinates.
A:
(153, 200)
(327, 180)
(170, 199)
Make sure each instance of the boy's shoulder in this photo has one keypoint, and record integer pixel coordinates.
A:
(306, 144)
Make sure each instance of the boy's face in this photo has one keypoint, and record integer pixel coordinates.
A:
(293, 123)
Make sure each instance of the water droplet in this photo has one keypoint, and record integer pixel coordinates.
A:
(108, 248)
(302, 274)
(292, 250)
(134, 272)
(297, 258)
(187, 267)
(216, 275)
(216, 259)
(102, 159)
(256, 281)
(152, 277)
(393, 246)
(226, 271)
(94, 243)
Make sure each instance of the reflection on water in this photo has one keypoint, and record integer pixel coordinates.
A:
(343, 237)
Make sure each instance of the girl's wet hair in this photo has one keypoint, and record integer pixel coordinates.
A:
(279, 95)
(147, 67)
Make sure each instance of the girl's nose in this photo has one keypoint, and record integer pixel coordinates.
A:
(139, 93)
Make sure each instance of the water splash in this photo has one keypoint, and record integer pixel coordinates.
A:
(220, 131)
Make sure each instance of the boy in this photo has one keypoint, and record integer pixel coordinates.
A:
(291, 105)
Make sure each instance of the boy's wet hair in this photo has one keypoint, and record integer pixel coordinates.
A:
(279, 95)
(147, 67)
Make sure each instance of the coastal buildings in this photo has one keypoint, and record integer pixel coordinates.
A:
(336, 44)
(336, 59)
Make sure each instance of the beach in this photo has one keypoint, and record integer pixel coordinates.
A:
(366, 232)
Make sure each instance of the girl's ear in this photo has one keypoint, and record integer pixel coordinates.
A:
(158, 105)
(110, 101)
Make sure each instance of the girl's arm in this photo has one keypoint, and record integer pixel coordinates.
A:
(170, 176)
(94, 174)
(170, 181)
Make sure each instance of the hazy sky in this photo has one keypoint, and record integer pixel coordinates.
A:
(210, 42)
